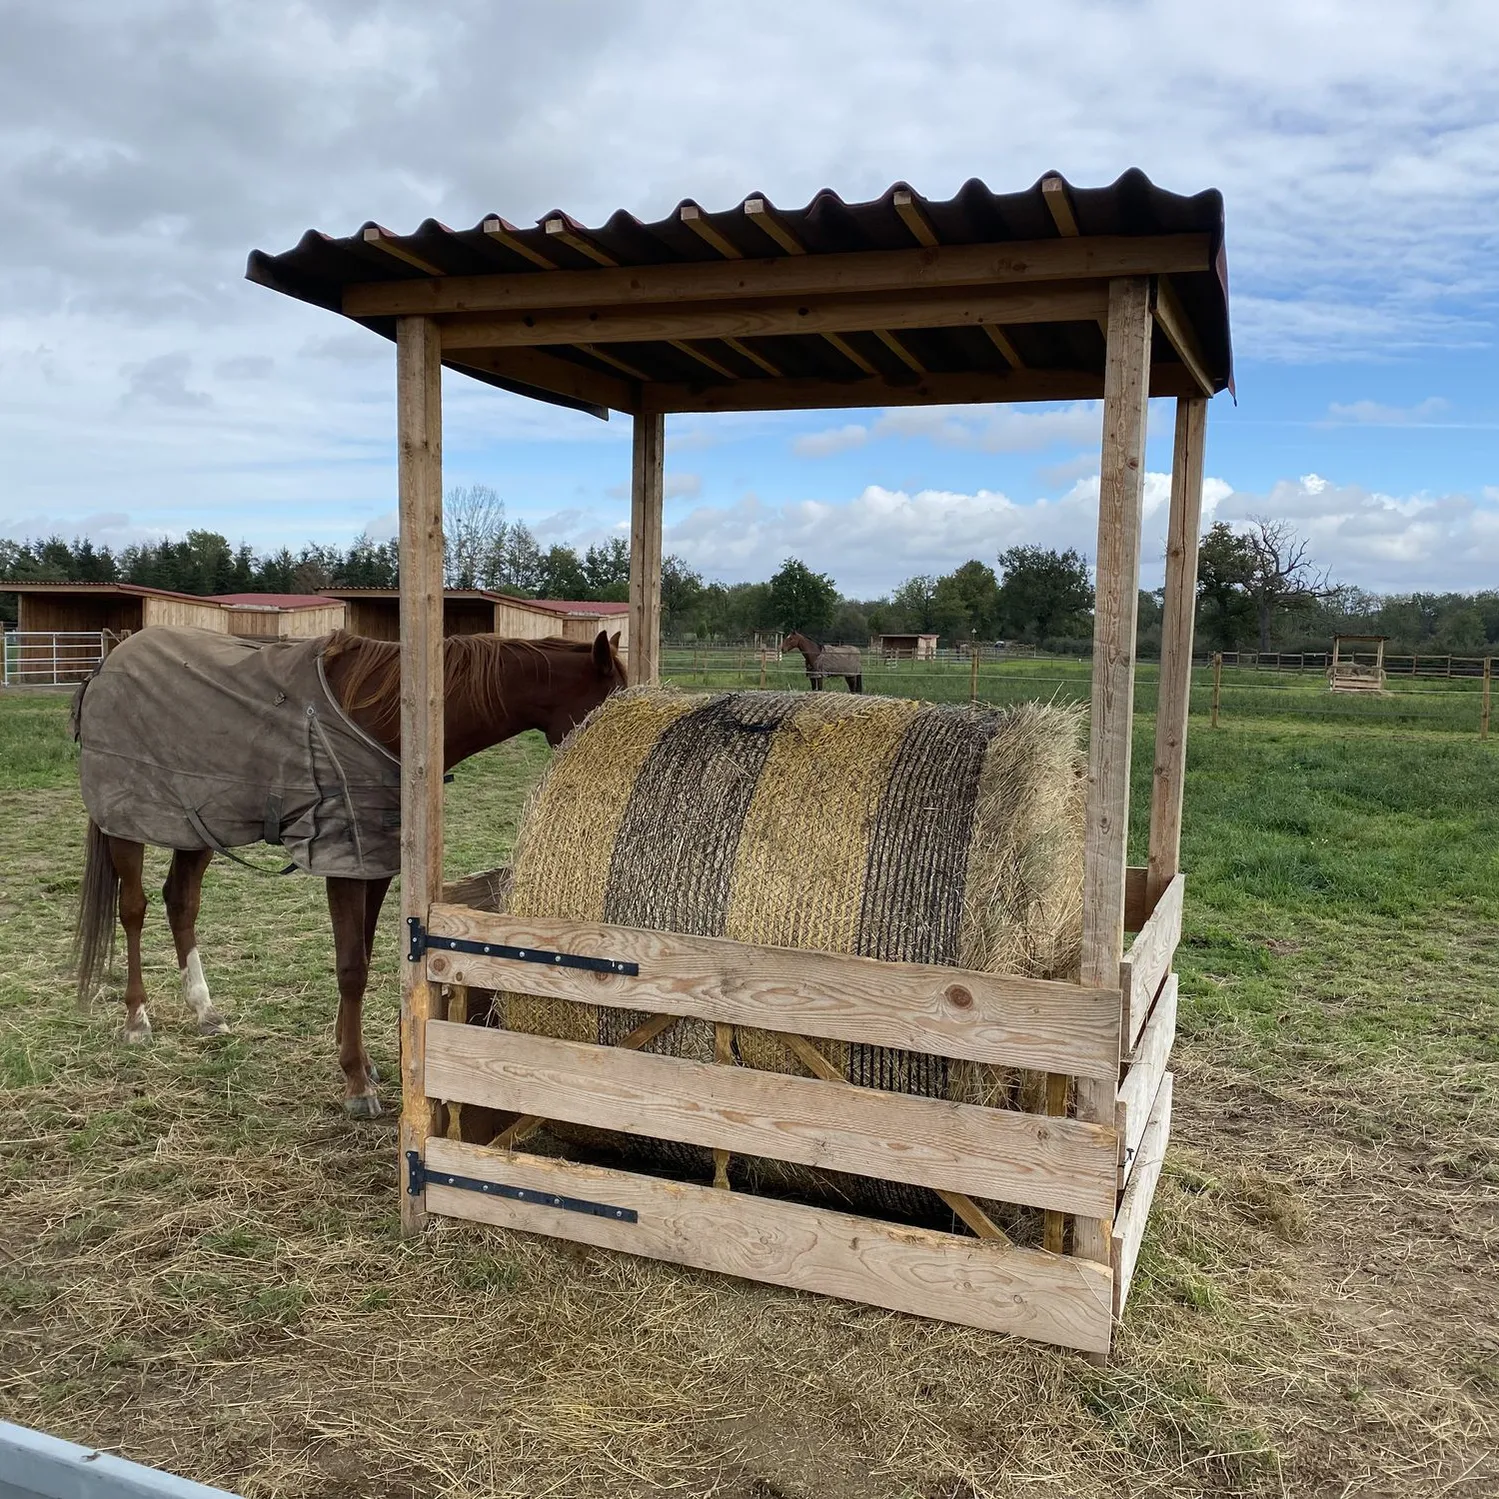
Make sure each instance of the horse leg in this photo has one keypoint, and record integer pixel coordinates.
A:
(374, 898)
(855, 684)
(348, 905)
(129, 860)
(183, 894)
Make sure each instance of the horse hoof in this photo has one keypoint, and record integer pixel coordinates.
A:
(362, 1106)
(213, 1025)
(137, 1033)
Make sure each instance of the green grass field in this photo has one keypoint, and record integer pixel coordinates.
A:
(199, 1262)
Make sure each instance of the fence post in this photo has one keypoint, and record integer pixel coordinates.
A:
(762, 668)
(1217, 684)
(1488, 681)
(973, 673)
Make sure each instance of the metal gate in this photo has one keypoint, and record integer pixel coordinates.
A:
(53, 658)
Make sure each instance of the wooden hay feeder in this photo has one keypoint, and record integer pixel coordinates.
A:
(1115, 294)
(1357, 663)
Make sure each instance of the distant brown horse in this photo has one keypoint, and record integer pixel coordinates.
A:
(312, 764)
(828, 661)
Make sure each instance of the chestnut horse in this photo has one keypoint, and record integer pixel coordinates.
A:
(828, 661)
(493, 689)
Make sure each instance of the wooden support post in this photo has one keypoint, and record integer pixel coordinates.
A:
(419, 429)
(1217, 683)
(1121, 493)
(646, 477)
(762, 668)
(1488, 686)
(1178, 613)
(973, 672)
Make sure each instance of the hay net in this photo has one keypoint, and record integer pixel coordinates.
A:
(905, 831)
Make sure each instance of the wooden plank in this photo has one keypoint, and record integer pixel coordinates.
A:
(1051, 1298)
(796, 394)
(765, 218)
(1144, 967)
(706, 360)
(547, 372)
(1142, 1077)
(1059, 205)
(1054, 1224)
(1106, 814)
(982, 1017)
(380, 240)
(1134, 1210)
(692, 217)
(564, 233)
(791, 275)
(1001, 341)
(1136, 897)
(502, 234)
(914, 219)
(900, 351)
(925, 1142)
(647, 478)
(1171, 318)
(1178, 613)
(965, 1207)
(419, 429)
(1057, 302)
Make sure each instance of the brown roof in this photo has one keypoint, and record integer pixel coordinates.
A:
(374, 273)
(273, 600)
(126, 590)
(486, 595)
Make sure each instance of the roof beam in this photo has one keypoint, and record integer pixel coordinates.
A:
(383, 240)
(692, 217)
(977, 387)
(506, 234)
(862, 272)
(915, 220)
(1171, 318)
(1059, 204)
(547, 372)
(1065, 303)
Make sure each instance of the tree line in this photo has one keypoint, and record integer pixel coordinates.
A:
(1258, 588)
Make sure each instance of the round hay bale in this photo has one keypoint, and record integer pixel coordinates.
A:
(906, 831)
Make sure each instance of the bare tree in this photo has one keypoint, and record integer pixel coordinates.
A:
(1282, 575)
(475, 534)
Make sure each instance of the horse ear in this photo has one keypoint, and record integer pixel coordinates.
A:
(614, 641)
(603, 657)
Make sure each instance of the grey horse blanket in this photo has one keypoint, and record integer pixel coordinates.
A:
(190, 740)
(839, 661)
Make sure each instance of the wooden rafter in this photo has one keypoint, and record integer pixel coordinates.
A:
(373, 235)
(1059, 205)
(506, 234)
(860, 272)
(692, 217)
(613, 360)
(900, 351)
(558, 376)
(1171, 318)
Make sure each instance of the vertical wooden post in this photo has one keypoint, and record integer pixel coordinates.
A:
(973, 672)
(1126, 390)
(1488, 685)
(1178, 616)
(762, 668)
(646, 475)
(419, 428)
(1217, 683)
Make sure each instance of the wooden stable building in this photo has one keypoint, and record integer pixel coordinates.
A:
(1118, 294)
(376, 612)
(904, 647)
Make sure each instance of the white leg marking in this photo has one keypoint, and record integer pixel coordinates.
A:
(137, 1027)
(195, 992)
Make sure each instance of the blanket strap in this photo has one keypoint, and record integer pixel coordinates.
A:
(201, 829)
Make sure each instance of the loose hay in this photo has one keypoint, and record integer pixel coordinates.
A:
(872, 826)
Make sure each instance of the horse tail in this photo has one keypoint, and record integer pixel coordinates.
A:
(98, 910)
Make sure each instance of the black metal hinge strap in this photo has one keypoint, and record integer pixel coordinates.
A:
(422, 941)
(420, 1176)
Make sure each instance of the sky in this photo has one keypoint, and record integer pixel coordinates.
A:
(147, 389)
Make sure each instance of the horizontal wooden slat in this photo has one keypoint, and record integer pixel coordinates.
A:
(1059, 302)
(1134, 1209)
(928, 1142)
(977, 1283)
(1148, 959)
(979, 1017)
(803, 275)
(1142, 1077)
(795, 394)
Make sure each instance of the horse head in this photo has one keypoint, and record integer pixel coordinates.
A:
(584, 689)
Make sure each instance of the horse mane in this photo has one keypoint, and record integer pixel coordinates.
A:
(370, 672)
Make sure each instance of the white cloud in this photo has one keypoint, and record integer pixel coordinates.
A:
(834, 440)
(678, 486)
(1373, 414)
